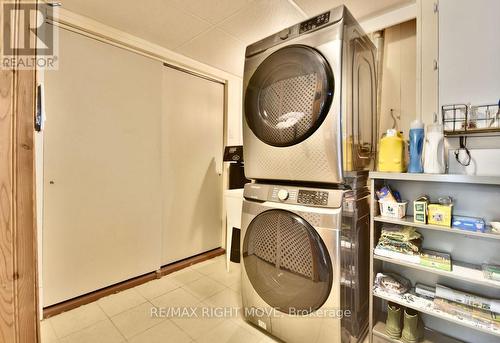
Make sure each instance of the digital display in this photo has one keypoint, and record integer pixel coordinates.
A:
(312, 198)
(314, 22)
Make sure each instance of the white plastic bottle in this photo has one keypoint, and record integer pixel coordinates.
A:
(434, 150)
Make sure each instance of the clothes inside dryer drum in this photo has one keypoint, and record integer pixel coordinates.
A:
(289, 95)
(287, 262)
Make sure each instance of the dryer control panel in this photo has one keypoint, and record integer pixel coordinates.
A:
(299, 196)
(291, 195)
(315, 22)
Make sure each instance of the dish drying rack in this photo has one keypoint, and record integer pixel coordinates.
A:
(462, 119)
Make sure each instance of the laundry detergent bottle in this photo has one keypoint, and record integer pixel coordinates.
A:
(417, 136)
(434, 150)
(391, 157)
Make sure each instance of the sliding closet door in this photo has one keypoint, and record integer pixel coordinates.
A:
(102, 176)
(192, 146)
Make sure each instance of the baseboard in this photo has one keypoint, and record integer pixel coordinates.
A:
(71, 304)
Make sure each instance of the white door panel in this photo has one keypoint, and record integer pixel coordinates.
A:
(102, 200)
(192, 147)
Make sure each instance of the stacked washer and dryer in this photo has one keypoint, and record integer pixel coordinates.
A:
(309, 141)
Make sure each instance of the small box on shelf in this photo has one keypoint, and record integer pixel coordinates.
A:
(439, 214)
(434, 259)
(420, 210)
(469, 223)
(491, 271)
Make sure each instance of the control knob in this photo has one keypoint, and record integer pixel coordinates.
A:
(283, 194)
(284, 34)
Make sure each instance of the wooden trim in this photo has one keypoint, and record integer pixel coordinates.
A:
(176, 266)
(18, 260)
(94, 296)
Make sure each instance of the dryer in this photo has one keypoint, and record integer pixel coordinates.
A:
(295, 274)
(310, 101)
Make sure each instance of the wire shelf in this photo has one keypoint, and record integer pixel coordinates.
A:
(461, 119)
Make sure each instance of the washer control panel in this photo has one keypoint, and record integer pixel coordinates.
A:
(309, 197)
(315, 22)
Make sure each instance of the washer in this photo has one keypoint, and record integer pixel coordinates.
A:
(291, 263)
(310, 101)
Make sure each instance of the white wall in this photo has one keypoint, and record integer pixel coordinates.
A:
(469, 51)
(469, 71)
(111, 35)
(427, 57)
(234, 114)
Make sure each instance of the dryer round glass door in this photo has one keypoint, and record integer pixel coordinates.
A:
(287, 262)
(289, 95)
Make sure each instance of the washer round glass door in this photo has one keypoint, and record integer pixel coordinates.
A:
(289, 95)
(287, 262)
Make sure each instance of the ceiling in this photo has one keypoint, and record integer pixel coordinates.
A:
(215, 32)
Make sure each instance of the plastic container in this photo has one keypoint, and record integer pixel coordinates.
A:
(434, 150)
(417, 136)
(393, 209)
(391, 156)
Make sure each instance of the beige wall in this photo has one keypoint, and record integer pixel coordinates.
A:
(399, 77)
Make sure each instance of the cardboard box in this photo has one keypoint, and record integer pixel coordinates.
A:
(420, 210)
(469, 223)
(437, 260)
(439, 214)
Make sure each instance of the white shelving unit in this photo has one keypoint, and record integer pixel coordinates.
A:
(473, 196)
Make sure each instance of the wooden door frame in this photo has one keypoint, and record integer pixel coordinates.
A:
(19, 317)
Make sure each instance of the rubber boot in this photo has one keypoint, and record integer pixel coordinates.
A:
(413, 328)
(393, 323)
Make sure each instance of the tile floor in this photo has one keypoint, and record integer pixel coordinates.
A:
(126, 316)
